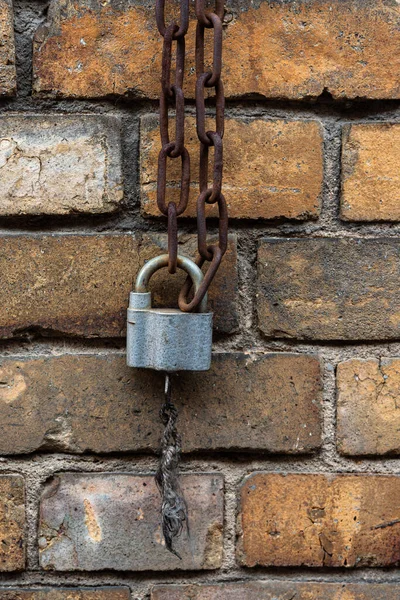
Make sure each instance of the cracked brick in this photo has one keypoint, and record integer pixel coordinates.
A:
(368, 407)
(56, 165)
(318, 520)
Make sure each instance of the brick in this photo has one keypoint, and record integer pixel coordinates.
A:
(274, 49)
(79, 284)
(367, 407)
(56, 165)
(90, 522)
(101, 593)
(329, 288)
(108, 407)
(12, 523)
(272, 169)
(8, 75)
(370, 178)
(318, 520)
(276, 590)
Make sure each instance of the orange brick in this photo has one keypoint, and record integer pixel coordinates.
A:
(370, 172)
(272, 169)
(319, 520)
(368, 420)
(275, 49)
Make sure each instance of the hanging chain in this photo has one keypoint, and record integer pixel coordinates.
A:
(176, 149)
(173, 149)
(208, 195)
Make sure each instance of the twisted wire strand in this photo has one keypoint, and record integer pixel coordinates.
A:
(173, 507)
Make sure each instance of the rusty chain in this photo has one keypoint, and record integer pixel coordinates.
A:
(173, 149)
(206, 79)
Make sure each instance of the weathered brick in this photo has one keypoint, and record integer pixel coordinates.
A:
(59, 165)
(370, 177)
(8, 75)
(277, 590)
(79, 284)
(367, 406)
(56, 593)
(12, 523)
(275, 49)
(112, 521)
(329, 288)
(319, 520)
(272, 169)
(254, 402)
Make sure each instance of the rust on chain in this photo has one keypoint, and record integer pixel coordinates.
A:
(209, 194)
(172, 93)
(184, 14)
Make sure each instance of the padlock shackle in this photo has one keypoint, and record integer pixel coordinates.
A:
(159, 262)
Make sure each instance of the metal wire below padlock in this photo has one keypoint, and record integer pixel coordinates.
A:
(173, 508)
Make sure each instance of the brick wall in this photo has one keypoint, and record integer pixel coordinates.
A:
(291, 442)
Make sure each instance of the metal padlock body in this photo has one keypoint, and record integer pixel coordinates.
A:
(167, 339)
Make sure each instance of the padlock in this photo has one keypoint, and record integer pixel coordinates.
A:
(167, 339)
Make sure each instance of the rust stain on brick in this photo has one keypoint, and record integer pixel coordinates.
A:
(91, 522)
(277, 49)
